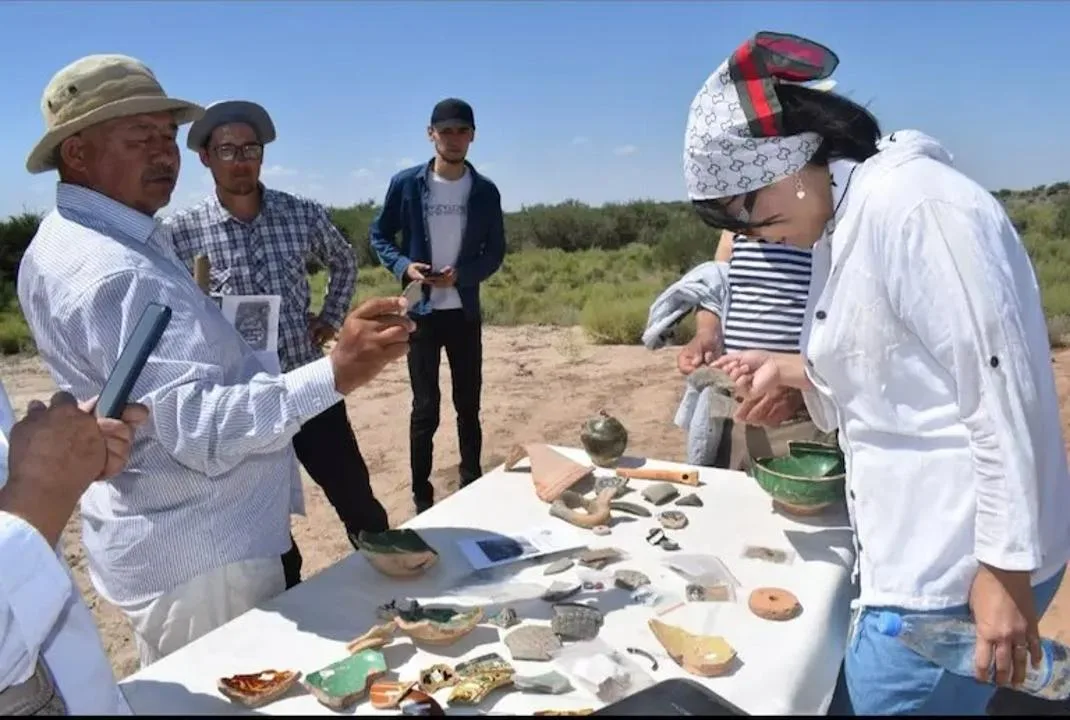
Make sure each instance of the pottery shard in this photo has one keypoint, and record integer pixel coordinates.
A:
(660, 494)
(561, 591)
(551, 683)
(551, 472)
(506, 618)
(630, 508)
(575, 621)
(598, 558)
(703, 655)
(580, 511)
(672, 519)
(619, 484)
(691, 500)
(601, 530)
(558, 566)
(533, 642)
(488, 663)
(630, 579)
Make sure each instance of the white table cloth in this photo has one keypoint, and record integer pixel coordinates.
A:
(785, 667)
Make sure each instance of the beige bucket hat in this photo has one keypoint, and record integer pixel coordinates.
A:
(94, 89)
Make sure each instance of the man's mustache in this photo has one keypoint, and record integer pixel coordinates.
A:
(160, 174)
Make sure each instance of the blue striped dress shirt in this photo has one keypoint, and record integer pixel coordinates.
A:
(211, 477)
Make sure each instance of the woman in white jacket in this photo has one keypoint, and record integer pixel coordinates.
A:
(925, 346)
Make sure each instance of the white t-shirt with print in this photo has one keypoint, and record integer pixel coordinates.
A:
(447, 211)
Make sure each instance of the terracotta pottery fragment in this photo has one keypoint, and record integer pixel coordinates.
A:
(576, 621)
(532, 642)
(388, 694)
(558, 566)
(376, 637)
(630, 508)
(672, 519)
(397, 553)
(550, 683)
(341, 684)
(660, 494)
(561, 591)
(598, 558)
(551, 472)
(576, 509)
(257, 689)
(774, 604)
(436, 677)
(691, 500)
(702, 655)
(630, 579)
(418, 702)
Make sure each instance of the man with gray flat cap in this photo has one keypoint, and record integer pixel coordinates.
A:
(258, 241)
(190, 533)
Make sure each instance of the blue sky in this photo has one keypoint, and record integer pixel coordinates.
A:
(572, 100)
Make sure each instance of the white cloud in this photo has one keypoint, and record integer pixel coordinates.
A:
(405, 162)
(362, 173)
(625, 150)
(580, 140)
(277, 171)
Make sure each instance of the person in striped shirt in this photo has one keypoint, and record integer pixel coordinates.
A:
(768, 286)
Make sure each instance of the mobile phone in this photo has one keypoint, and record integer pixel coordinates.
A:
(116, 393)
(676, 696)
(433, 274)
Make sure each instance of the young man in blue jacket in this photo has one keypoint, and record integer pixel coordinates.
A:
(452, 239)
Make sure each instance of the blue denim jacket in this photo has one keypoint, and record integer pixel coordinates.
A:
(405, 209)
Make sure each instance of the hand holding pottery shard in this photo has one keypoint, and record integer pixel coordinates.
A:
(703, 655)
(604, 438)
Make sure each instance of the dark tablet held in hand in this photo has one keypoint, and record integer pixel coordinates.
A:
(677, 696)
(116, 393)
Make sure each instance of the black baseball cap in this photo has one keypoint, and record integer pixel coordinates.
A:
(452, 112)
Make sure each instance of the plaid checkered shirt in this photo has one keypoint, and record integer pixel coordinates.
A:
(267, 256)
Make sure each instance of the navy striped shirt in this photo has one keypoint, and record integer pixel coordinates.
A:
(769, 284)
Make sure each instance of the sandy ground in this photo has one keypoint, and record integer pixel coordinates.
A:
(539, 384)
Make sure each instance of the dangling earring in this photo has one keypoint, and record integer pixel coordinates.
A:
(800, 191)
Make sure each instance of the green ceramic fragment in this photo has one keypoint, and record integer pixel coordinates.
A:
(342, 683)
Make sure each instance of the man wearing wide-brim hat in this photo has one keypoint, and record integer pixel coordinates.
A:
(191, 534)
(258, 241)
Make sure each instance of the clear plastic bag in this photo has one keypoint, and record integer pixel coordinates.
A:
(607, 673)
(709, 579)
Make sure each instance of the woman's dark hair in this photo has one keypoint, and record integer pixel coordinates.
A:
(846, 128)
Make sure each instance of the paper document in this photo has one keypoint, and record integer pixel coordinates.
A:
(490, 551)
(256, 318)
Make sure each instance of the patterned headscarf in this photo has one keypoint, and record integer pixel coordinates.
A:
(735, 140)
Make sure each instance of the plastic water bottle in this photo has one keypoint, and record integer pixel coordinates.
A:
(950, 642)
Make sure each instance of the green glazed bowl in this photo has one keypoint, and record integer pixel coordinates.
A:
(806, 481)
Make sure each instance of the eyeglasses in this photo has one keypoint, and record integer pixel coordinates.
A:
(249, 151)
(743, 214)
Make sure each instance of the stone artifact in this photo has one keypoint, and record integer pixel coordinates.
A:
(505, 619)
(433, 626)
(680, 477)
(258, 689)
(576, 621)
(668, 545)
(550, 683)
(436, 677)
(660, 494)
(723, 390)
(691, 500)
(703, 655)
(558, 566)
(576, 509)
(473, 689)
(774, 604)
(619, 484)
(777, 557)
(532, 642)
(601, 530)
(604, 438)
(388, 694)
(598, 558)
(551, 472)
(630, 579)
(593, 585)
(378, 636)
(657, 537)
(561, 591)
(630, 508)
(672, 519)
(341, 684)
